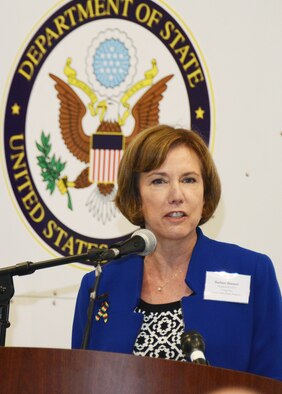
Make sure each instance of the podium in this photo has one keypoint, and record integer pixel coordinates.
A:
(62, 371)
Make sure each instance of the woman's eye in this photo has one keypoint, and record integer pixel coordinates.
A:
(158, 181)
(189, 180)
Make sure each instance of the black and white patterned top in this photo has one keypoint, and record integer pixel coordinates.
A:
(160, 334)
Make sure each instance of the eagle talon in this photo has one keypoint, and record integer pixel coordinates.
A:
(63, 184)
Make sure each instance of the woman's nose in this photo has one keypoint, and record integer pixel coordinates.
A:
(175, 193)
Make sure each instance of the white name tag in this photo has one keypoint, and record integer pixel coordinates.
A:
(223, 286)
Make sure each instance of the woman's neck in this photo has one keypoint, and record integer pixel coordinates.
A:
(165, 272)
(170, 254)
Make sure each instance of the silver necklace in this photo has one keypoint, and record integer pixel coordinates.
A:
(160, 288)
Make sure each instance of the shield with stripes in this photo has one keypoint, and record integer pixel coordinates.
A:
(105, 155)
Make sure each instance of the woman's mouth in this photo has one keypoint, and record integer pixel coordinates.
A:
(177, 214)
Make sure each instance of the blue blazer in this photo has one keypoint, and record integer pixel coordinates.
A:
(239, 336)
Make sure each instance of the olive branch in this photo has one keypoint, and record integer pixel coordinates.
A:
(51, 168)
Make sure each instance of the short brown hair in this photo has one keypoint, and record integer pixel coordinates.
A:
(147, 152)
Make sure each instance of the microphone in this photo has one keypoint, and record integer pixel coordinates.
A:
(141, 242)
(193, 346)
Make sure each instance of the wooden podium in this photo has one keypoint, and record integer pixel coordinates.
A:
(61, 371)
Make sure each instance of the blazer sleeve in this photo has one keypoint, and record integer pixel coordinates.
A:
(266, 354)
(80, 314)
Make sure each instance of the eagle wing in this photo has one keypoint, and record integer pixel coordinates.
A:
(72, 111)
(146, 110)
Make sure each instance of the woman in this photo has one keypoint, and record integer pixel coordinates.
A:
(168, 184)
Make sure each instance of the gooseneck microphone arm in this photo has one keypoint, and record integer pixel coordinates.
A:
(142, 242)
(93, 256)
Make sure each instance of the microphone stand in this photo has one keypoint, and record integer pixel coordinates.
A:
(93, 256)
(90, 309)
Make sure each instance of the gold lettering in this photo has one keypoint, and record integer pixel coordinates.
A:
(66, 243)
(112, 5)
(19, 157)
(40, 42)
(84, 14)
(26, 69)
(147, 16)
(26, 184)
(179, 36)
(34, 55)
(81, 245)
(99, 8)
(60, 24)
(183, 51)
(61, 233)
(193, 62)
(91, 245)
(195, 77)
(20, 164)
(70, 18)
(29, 200)
(69, 245)
(37, 214)
(69, 12)
(125, 7)
(146, 13)
(154, 18)
(168, 29)
(50, 35)
(48, 233)
(13, 142)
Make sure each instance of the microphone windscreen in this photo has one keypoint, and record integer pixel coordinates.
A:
(149, 239)
(191, 341)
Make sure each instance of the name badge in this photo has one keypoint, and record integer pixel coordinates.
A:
(224, 286)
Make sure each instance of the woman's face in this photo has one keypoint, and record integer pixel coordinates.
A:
(172, 195)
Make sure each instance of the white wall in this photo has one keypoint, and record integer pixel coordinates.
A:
(241, 44)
